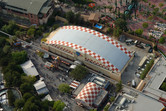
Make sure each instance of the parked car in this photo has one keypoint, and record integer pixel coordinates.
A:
(150, 50)
(139, 46)
(133, 84)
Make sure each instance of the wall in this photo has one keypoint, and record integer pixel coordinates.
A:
(115, 76)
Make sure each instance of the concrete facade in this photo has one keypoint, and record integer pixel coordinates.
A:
(33, 18)
(70, 53)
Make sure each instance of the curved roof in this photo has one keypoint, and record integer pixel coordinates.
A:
(94, 43)
(89, 93)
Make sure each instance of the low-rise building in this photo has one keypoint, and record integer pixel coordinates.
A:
(160, 26)
(41, 87)
(156, 34)
(94, 49)
(36, 11)
(127, 102)
(91, 96)
(29, 69)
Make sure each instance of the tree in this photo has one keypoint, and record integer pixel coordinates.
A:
(10, 28)
(139, 32)
(32, 104)
(106, 107)
(26, 96)
(119, 86)
(6, 49)
(79, 72)
(46, 35)
(19, 103)
(19, 57)
(11, 97)
(12, 78)
(58, 106)
(112, 99)
(162, 40)
(155, 11)
(28, 79)
(161, 4)
(26, 87)
(31, 31)
(163, 86)
(70, 16)
(117, 32)
(153, 6)
(121, 23)
(2, 42)
(150, 18)
(1, 23)
(64, 88)
(4, 61)
(145, 25)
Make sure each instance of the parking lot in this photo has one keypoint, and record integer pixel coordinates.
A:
(129, 73)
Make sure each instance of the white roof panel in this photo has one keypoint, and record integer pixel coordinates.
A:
(94, 43)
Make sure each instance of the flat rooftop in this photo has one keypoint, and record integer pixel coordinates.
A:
(29, 68)
(140, 101)
(157, 76)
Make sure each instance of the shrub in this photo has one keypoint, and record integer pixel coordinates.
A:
(79, 72)
(64, 88)
(145, 25)
(147, 68)
(162, 40)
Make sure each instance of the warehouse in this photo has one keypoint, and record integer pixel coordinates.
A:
(96, 50)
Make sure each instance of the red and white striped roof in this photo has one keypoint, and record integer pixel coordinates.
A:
(74, 84)
(89, 93)
(108, 64)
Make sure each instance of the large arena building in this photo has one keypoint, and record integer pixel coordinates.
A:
(96, 50)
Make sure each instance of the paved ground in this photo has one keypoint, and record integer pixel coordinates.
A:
(129, 73)
(52, 80)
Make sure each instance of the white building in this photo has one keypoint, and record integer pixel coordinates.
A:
(160, 26)
(29, 68)
(156, 34)
(41, 87)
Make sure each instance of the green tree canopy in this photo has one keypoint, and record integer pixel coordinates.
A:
(10, 28)
(163, 86)
(150, 18)
(139, 32)
(64, 88)
(79, 72)
(145, 25)
(32, 104)
(26, 96)
(119, 86)
(70, 16)
(58, 106)
(31, 31)
(6, 49)
(161, 4)
(13, 79)
(162, 40)
(11, 97)
(112, 99)
(19, 103)
(121, 23)
(19, 57)
(26, 87)
(28, 79)
(2, 42)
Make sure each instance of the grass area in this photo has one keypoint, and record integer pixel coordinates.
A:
(163, 86)
(147, 68)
